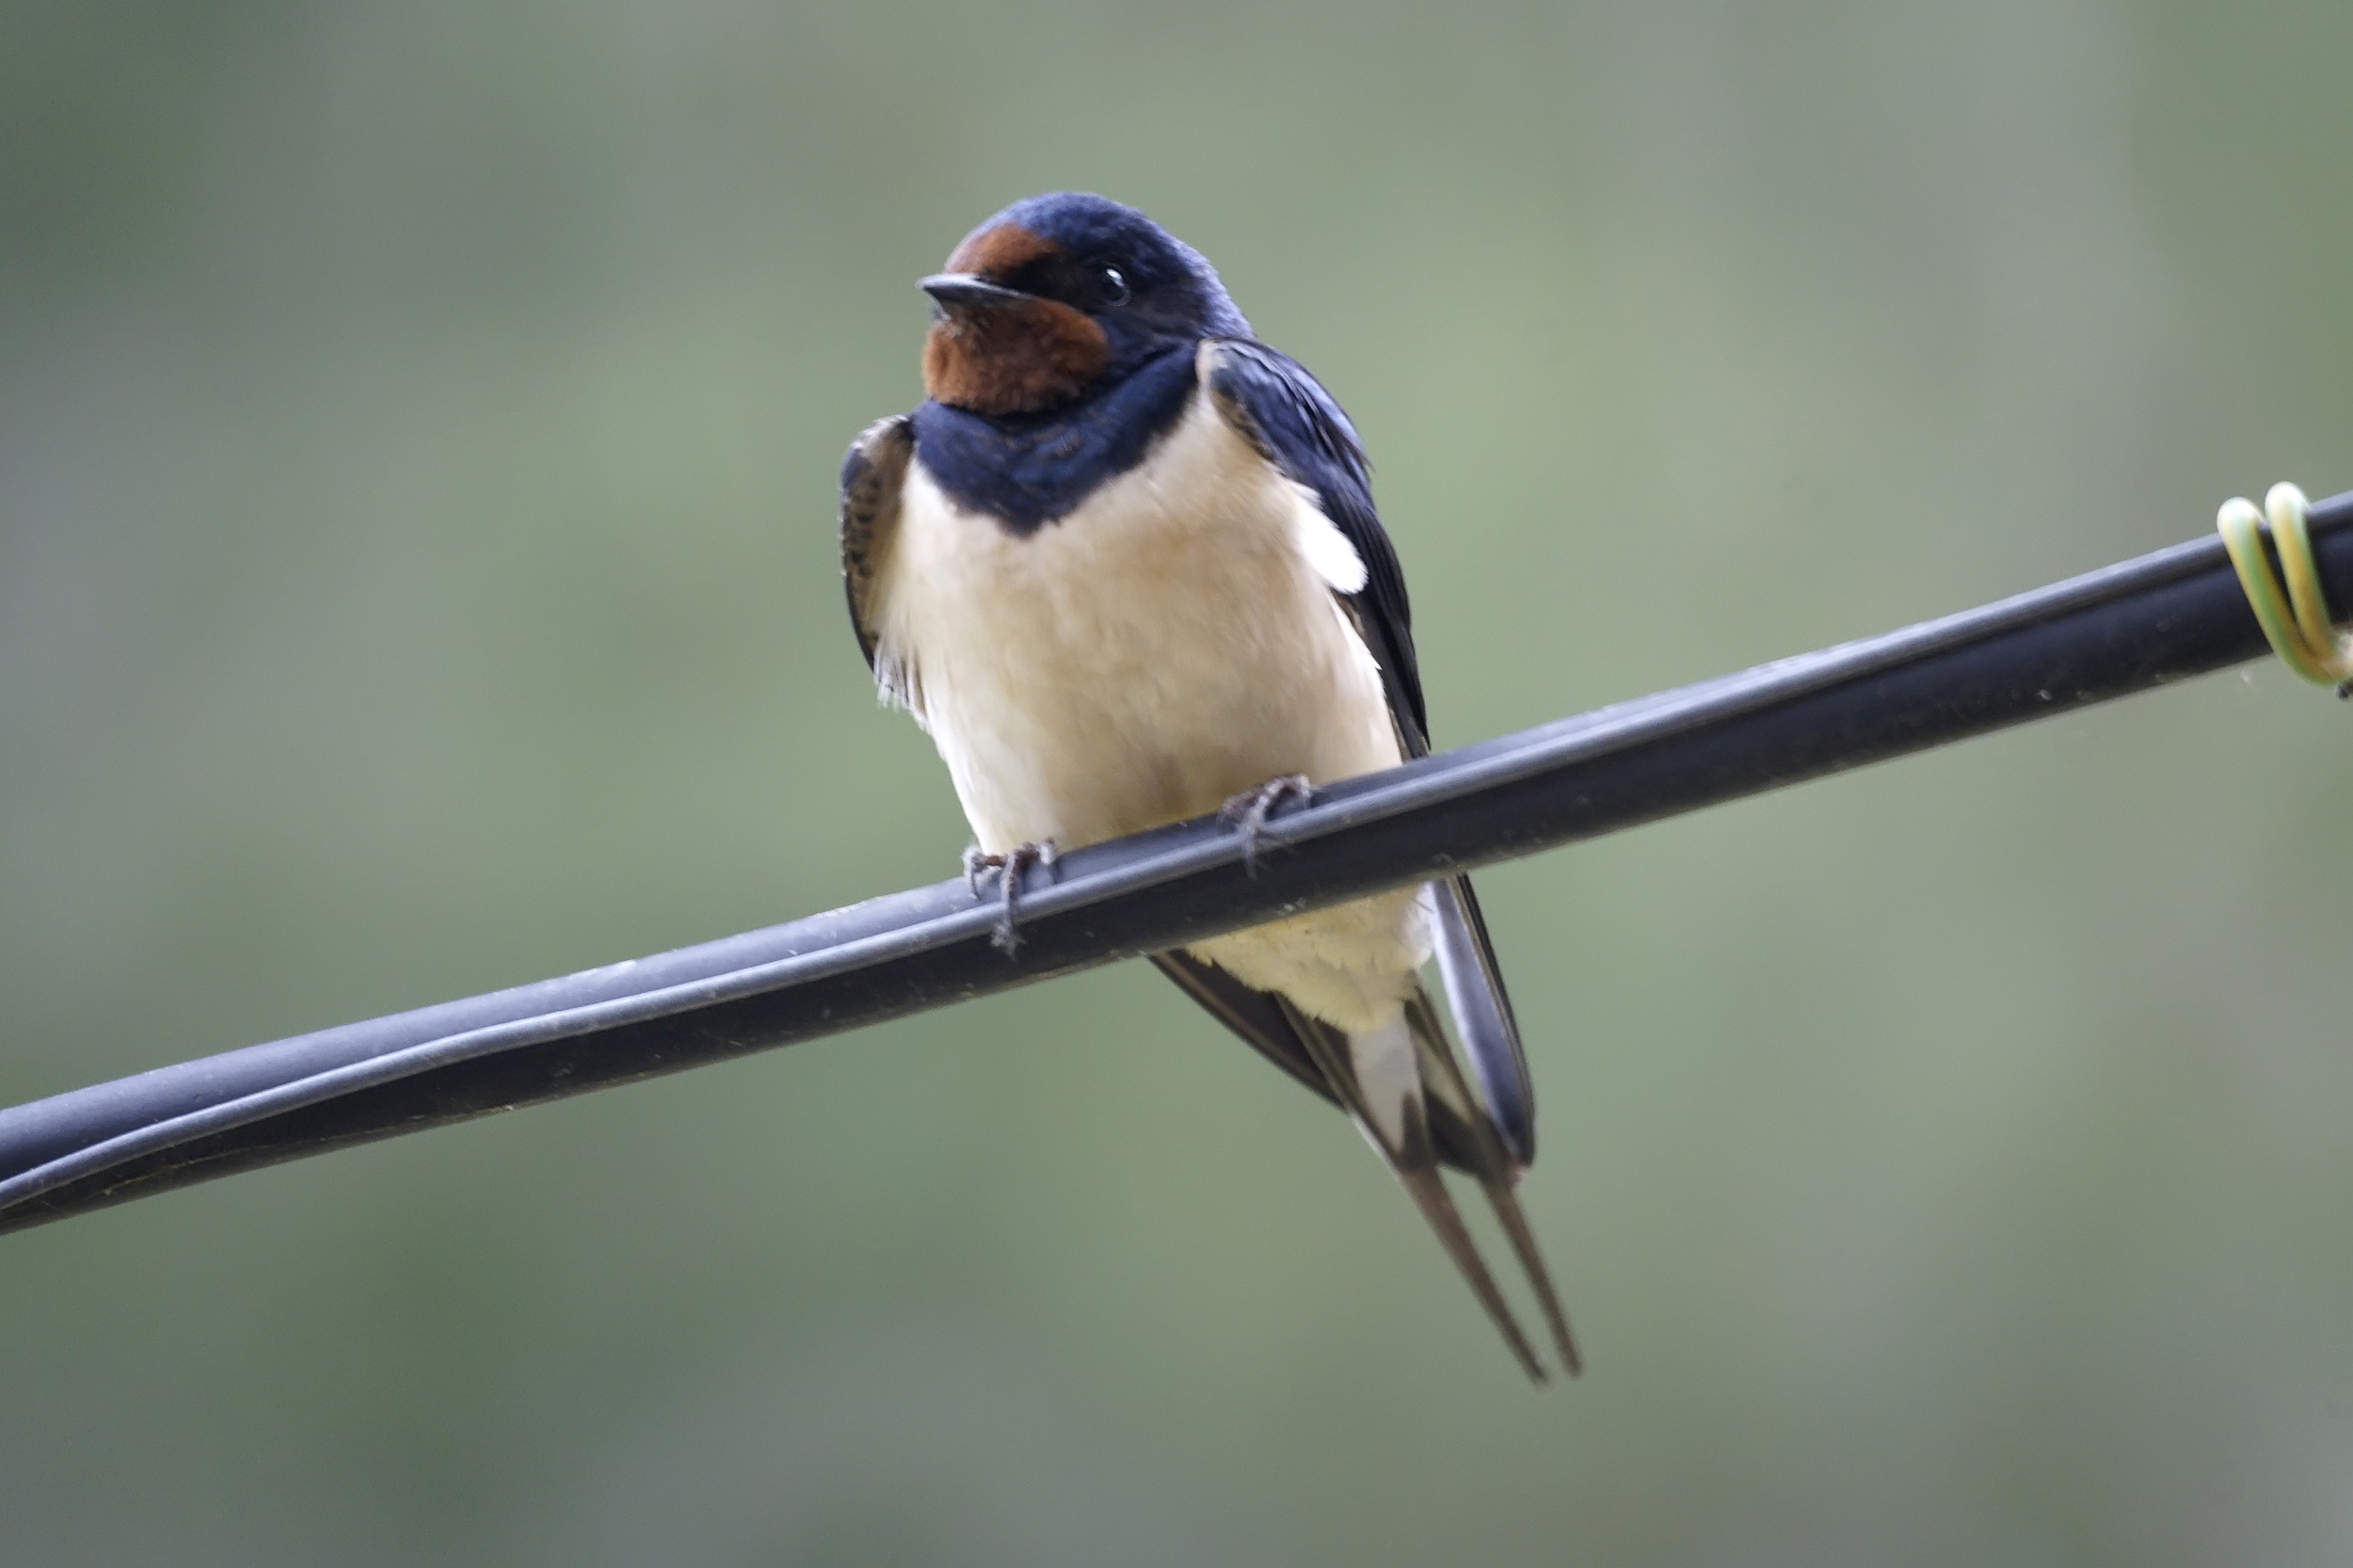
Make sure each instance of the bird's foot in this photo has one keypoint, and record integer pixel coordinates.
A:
(1010, 867)
(1248, 811)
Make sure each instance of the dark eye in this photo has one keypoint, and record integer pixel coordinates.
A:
(1110, 285)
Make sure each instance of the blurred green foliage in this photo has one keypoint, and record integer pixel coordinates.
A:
(417, 433)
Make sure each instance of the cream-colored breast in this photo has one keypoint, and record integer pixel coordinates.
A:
(1171, 642)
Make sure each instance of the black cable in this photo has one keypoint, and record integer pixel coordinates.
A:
(2142, 623)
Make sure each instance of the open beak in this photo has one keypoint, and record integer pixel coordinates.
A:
(969, 291)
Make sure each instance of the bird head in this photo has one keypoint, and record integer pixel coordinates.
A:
(1060, 297)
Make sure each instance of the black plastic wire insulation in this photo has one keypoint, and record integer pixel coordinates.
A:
(2161, 618)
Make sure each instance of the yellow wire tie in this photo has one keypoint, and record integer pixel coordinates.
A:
(2296, 618)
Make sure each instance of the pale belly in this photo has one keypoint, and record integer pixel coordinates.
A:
(1174, 642)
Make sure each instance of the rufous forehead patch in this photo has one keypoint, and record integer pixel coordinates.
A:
(1001, 251)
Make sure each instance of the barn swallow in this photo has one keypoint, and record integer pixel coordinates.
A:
(1123, 566)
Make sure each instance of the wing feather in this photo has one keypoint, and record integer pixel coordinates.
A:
(872, 475)
(1262, 1021)
(1285, 412)
(1281, 409)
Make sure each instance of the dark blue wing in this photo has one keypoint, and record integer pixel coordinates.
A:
(1295, 425)
(1286, 414)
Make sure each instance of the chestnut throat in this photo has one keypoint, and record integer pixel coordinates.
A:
(1018, 359)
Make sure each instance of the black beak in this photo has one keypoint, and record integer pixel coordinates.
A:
(967, 290)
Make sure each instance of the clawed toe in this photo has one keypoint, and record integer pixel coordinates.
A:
(1248, 811)
(1010, 867)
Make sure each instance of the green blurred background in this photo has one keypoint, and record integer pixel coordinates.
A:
(417, 435)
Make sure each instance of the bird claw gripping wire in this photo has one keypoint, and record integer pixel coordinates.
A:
(2296, 618)
(1010, 867)
(1248, 811)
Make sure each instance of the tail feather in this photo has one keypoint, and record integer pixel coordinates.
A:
(1410, 1095)
(1442, 1077)
(1401, 1134)
(1427, 1188)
